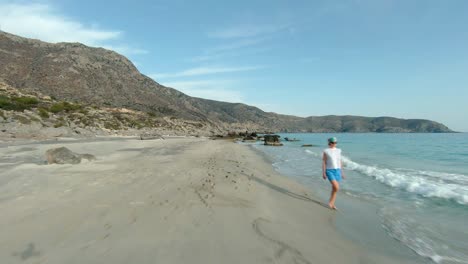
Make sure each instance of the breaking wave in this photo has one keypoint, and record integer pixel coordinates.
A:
(426, 183)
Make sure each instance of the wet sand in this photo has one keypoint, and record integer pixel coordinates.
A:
(180, 200)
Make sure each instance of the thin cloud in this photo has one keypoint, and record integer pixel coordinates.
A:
(266, 107)
(236, 45)
(235, 40)
(220, 90)
(44, 22)
(246, 31)
(200, 83)
(210, 56)
(204, 71)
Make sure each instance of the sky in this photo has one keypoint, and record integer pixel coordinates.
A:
(400, 58)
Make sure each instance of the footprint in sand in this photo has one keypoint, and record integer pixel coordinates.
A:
(283, 251)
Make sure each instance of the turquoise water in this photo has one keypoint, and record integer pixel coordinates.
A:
(417, 182)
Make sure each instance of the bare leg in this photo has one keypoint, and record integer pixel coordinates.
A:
(335, 188)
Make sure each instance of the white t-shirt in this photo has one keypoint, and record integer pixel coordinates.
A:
(333, 158)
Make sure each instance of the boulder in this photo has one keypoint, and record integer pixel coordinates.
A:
(65, 156)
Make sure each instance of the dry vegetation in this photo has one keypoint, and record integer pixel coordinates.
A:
(27, 109)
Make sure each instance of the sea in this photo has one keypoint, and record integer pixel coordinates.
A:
(405, 195)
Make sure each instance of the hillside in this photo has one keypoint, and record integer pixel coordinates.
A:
(73, 72)
(33, 115)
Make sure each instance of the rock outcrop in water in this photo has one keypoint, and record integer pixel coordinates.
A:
(75, 73)
(272, 140)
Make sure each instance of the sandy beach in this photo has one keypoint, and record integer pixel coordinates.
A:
(179, 200)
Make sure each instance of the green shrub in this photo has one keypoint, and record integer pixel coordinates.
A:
(5, 102)
(43, 113)
(64, 106)
(57, 108)
(26, 100)
(71, 107)
(17, 103)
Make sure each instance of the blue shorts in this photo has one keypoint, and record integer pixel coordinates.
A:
(333, 174)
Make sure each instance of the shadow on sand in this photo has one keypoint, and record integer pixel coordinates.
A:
(286, 191)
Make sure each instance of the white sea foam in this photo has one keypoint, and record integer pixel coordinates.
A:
(427, 184)
(312, 153)
(440, 176)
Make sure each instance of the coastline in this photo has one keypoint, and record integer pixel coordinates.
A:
(180, 200)
(357, 219)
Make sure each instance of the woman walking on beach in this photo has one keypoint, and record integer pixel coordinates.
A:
(332, 168)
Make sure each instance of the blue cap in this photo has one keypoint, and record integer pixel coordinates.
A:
(332, 140)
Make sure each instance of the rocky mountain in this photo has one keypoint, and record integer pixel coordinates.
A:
(73, 72)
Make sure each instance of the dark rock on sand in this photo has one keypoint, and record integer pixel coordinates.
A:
(65, 156)
(148, 136)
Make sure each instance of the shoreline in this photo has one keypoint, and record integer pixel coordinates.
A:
(171, 201)
(357, 222)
